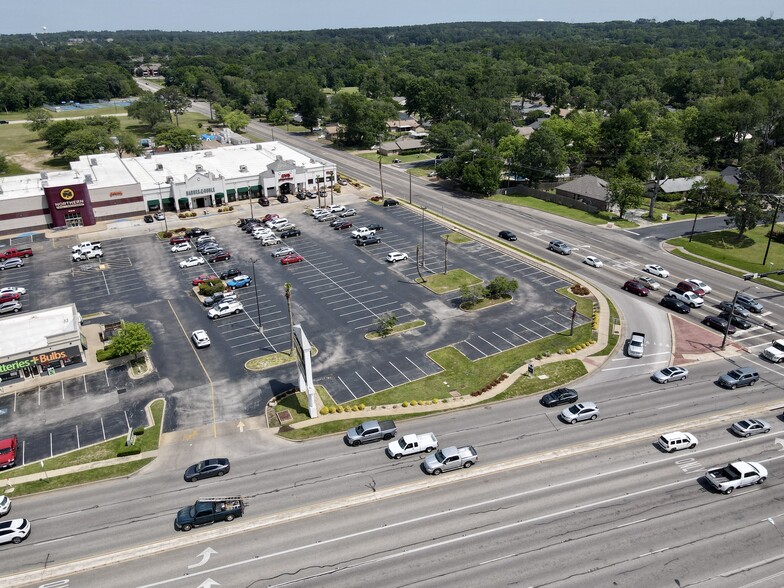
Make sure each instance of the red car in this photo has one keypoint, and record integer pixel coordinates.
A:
(204, 278)
(9, 297)
(636, 287)
(269, 217)
(179, 239)
(343, 225)
(688, 287)
(293, 258)
(222, 256)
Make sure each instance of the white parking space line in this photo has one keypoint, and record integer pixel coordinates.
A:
(503, 338)
(488, 342)
(544, 326)
(516, 334)
(467, 342)
(382, 375)
(416, 366)
(364, 382)
(401, 373)
(349, 389)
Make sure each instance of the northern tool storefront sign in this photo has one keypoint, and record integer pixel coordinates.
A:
(65, 200)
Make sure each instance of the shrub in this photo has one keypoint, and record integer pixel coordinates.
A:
(414, 403)
(361, 406)
(103, 354)
(354, 408)
(231, 208)
(332, 410)
(339, 409)
(138, 431)
(167, 234)
(126, 451)
(404, 404)
(436, 400)
(580, 290)
(324, 410)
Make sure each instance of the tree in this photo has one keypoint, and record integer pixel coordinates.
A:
(363, 120)
(4, 165)
(174, 100)
(760, 178)
(287, 290)
(236, 120)
(39, 118)
(178, 139)
(625, 192)
(281, 114)
(385, 324)
(149, 110)
(86, 141)
(543, 156)
(127, 143)
(501, 287)
(131, 339)
(471, 295)
(448, 137)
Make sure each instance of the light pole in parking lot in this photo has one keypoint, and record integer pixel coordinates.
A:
(163, 212)
(424, 208)
(250, 197)
(256, 291)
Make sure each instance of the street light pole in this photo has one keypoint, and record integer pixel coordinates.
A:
(256, 291)
(250, 197)
(424, 208)
(380, 177)
(772, 227)
(729, 320)
(163, 212)
(409, 186)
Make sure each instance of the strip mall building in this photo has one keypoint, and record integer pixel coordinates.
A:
(106, 186)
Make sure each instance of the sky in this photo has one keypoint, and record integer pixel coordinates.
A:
(35, 16)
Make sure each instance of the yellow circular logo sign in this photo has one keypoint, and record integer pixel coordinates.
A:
(66, 194)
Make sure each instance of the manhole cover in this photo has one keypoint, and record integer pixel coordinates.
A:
(121, 390)
(284, 416)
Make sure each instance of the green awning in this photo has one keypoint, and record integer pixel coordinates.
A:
(218, 197)
(256, 188)
(168, 200)
(242, 190)
(231, 192)
(183, 199)
(154, 203)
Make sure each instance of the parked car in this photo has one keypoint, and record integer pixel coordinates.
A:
(390, 202)
(739, 377)
(635, 287)
(211, 249)
(179, 247)
(292, 258)
(9, 297)
(580, 412)
(159, 216)
(148, 218)
(749, 303)
(343, 225)
(674, 304)
(264, 201)
(726, 306)
(177, 239)
(5, 505)
(670, 374)
(374, 227)
(270, 240)
(656, 270)
(225, 309)
(196, 232)
(206, 239)
(301, 196)
(749, 427)
(200, 338)
(11, 262)
(348, 212)
(337, 208)
(648, 282)
(736, 320)
(240, 281)
(192, 261)
(230, 273)
(219, 297)
(559, 247)
(395, 256)
(290, 233)
(282, 251)
(221, 256)
(269, 217)
(11, 306)
(700, 285)
(508, 235)
(326, 218)
(593, 261)
(283, 199)
(718, 323)
(14, 531)
(203, 279)
(207, 468)
(14, 290)
(559, 396)
(369, 240)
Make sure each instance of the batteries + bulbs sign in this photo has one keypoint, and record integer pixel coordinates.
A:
(39, 359)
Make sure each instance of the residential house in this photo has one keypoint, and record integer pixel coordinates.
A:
(588, 190)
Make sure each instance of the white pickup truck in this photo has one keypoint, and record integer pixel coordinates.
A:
(775, 352)
(736, 475)
(450, 458)
(96, 253)
(636, 345)
(362, 232)
(410, 444)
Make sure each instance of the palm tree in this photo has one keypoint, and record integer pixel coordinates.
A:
(287, 292)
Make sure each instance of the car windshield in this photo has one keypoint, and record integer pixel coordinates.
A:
(734, 374)
(667, 371)
(574, 409)
(439, 455)
(745, 424)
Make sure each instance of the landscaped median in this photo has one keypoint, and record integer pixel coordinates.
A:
(110, 459)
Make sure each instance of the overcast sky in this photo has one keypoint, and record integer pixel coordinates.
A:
(31, 16)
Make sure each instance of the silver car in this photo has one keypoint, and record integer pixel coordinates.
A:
(580, 412)
(670, 374)
(11, 262)
(750, 427)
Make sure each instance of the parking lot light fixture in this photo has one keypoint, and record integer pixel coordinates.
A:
(424, 208)
(256, 292)
(163, 212)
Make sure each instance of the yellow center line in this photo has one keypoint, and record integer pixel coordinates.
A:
(206, 373)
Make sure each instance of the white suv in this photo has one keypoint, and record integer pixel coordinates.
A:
(225, 309)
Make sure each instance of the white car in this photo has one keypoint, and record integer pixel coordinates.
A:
(394, 256)
(593, 261)
(700, 284)
(580, 412)
(5, 505)
(281, 251)
(649, 282)
(657, 270)
(200, 338)
(262, 232)
(337, 208)
(270, 240)
(14, 531)
(13, 290)
(192, 261)
(181, 247)
(318, 211)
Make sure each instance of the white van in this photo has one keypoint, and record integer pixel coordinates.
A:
(276, 223)
(677, 440)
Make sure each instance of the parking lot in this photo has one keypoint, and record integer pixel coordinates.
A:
(339, 291)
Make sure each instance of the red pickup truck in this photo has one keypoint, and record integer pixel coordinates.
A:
(14, 252)
(8, 452)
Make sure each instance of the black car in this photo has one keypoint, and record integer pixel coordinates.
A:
(196, 232)
(290, 233)
(283, 199)
(207, 469)
(301, 196)
(674, 304)
(371, 240)
(230, 273)
(264, 201)
(148, 218)
(718, 323)
(736, 320)
(390, 202)
(209, 249)
(508, 235)
(560, 396)
(726, 306)
(375, 227)
(215, 298)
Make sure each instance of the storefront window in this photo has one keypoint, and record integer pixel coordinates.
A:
(73, 219)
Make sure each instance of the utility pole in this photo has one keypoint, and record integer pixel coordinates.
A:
(772, 227)
(729, 320)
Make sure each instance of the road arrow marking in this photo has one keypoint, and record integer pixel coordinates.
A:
(205, 557)
(780, 442)
(241, 426)
(208, 583)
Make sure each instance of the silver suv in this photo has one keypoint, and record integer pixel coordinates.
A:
(560, 247)
(748, 303)
(10, 306)
(743, 376)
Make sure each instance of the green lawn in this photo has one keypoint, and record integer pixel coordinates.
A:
(449, 282)
(564, 211)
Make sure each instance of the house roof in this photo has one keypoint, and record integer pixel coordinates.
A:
(676, 185)
(588, 186)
